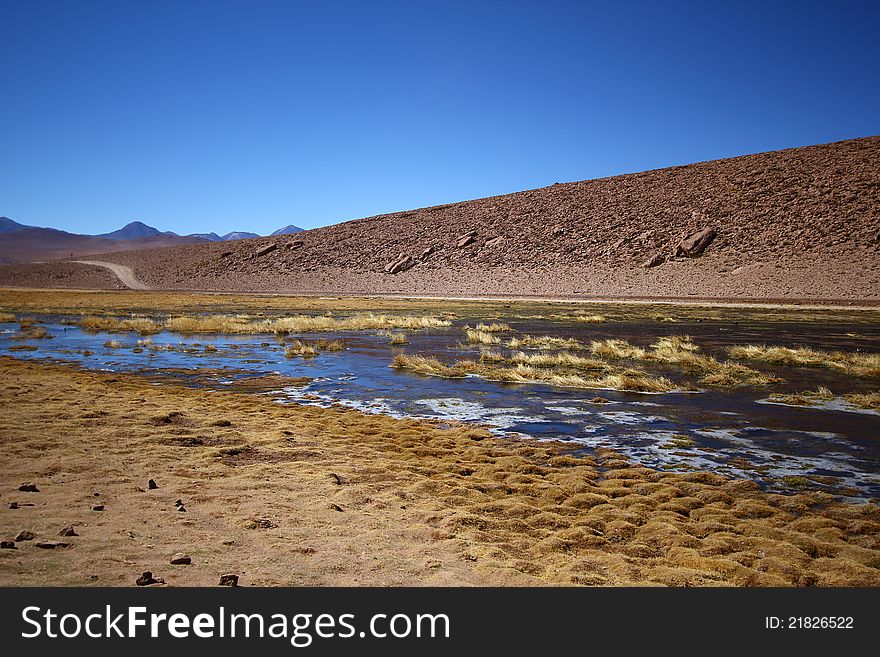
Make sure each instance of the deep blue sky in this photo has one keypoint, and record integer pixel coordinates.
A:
(218, 115)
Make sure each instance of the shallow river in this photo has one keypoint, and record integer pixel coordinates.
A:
(730, 432)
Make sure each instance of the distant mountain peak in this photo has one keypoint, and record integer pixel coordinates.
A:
(133, 230)
(238, 235)
(7, 225)
(288, 230)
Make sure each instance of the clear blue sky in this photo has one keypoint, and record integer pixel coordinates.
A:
(231, 115)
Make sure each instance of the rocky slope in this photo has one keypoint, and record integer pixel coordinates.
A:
(801, 223)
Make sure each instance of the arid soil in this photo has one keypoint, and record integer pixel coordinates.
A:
(302, 495)
(798, 224)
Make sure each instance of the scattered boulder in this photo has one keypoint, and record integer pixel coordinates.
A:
(229, 580)
(465, 240)
(13, 505)
(656, 260)
(98, 507)
(29, 488)
(25, 535)
(294, 245)
(146, 579)
(335, 507)
(226, 254)
(336, 478)
(694, 244)
(152, 485)
(180, 559)
(68, 531)
(402, 263)
(427, 252)
(181, 509)
(51, 545)
(494, 241)
(8, 545)
(266, 250)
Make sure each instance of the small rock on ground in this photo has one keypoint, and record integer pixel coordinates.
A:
(229, 580)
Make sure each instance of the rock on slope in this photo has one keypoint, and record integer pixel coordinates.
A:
(800, 223)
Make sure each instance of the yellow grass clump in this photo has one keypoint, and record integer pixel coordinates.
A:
(869, 400)
(399, 339)
(806, 398)
(6, 318)
(142, 325)
(854, 363)
(545, 342)
(591, 319)
(616, 350)
(630, 380)
(243, 324)
(359, 322)
(558, 360)
(31, 332)
(683, 352)
(494, 327)
(307, 349)
(476, 336)
(301, 349)
(491, 356)
(329, 345)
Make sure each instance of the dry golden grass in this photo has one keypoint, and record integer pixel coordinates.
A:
(6, 318)
(399, 339)
(591, 319)
(126, 302)
(630, 380)
(301, 349)
(558, 360)
(329, 345)
(475, 336)
(244, 324)
(142, 325)
(545, 342)
(31, 332)
(854, 363)
(806, 398)
(493, 327)
(491, 356)
(616, 350)
(684, 353)
(869, 400)
(427, 505)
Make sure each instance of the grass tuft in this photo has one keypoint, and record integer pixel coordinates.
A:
(869, 400)
(476, 336)
(545, 342)
(807, 398)
(853, 363)
(494, 327)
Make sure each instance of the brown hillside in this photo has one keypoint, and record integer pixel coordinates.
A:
(800, 223)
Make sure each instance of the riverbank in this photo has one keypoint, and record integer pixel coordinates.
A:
(295, 495)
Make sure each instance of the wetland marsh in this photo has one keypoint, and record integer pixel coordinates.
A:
(677, 391)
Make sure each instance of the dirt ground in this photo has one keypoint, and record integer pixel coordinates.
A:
(294, 495)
